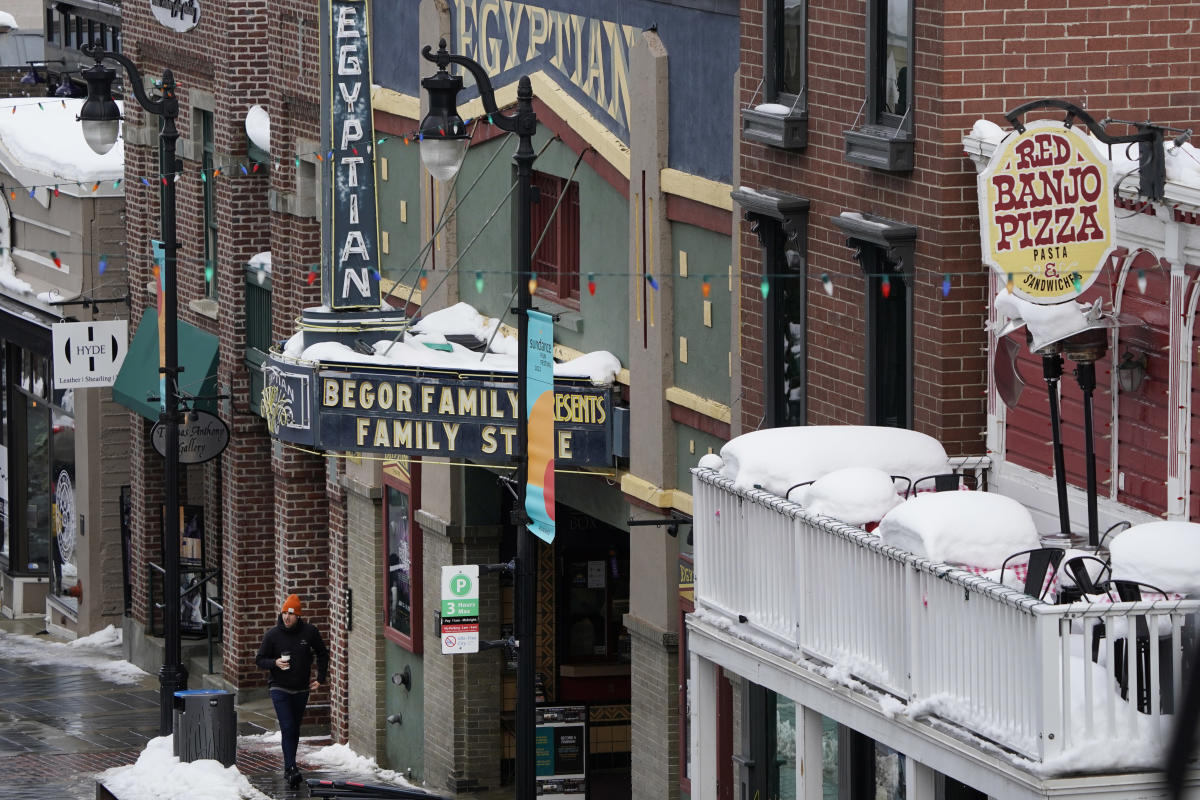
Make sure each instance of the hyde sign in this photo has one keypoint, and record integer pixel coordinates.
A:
(1046, 211)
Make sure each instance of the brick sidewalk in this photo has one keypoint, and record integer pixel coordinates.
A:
(62, 724)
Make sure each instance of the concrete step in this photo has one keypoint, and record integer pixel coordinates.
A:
(196, 661)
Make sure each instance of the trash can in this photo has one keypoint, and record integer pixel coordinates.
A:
(205, 726)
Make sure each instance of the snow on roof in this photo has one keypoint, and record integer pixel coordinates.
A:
(414, 350)
(262, 261)
(258, 127)
(855, 495)
(50, 140)
(778, 458)
(1163, 554)
(960, 527)
(7, 20)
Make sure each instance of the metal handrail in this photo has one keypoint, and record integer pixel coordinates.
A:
(208, 626)
(206, 575)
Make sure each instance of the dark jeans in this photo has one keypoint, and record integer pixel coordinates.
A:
(289, 710)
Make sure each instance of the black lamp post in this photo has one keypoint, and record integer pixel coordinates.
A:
(101, 118)
(444, 141)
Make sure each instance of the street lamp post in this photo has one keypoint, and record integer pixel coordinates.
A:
(101, 117)
(444, 141)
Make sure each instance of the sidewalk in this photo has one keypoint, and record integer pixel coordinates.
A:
(61, 722)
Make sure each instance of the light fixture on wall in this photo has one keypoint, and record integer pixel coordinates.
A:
(1131, 372)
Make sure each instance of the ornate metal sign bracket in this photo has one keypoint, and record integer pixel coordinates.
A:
(1152, 173)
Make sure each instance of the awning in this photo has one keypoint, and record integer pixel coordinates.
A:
(138, 377)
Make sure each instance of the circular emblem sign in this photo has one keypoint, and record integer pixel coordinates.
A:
(178, 15)
(64, 516)
(1046, 211)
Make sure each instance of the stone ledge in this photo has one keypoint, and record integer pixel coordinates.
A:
(648, 631)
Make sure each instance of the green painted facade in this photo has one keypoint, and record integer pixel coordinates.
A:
(706, 372)
(405, 748)
(402, 189)
(601, 323)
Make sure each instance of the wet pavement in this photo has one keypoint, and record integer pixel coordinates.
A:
(62, 723)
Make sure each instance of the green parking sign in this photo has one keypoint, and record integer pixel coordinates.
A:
(460, 591)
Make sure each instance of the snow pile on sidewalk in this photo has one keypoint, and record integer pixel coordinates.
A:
(98, 652)
(160, 775)
(341, 759)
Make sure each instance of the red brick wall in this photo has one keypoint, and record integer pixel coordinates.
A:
(973, 59)
(269, 515)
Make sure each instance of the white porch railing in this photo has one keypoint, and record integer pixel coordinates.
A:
(998, 664)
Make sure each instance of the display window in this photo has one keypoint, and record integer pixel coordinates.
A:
(402, 558)
(37, 498)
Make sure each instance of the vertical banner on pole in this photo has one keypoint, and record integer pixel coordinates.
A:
(160, 266)
(539, 394)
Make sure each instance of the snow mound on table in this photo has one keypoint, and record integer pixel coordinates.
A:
(777, 458)
(855, 495)
(976, 528)
(1163, 554)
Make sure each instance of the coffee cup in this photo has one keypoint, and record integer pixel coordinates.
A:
(286, 658)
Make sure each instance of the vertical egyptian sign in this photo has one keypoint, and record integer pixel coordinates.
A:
(350, 278)
(539, 441)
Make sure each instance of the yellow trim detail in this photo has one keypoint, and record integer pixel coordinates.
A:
(390, 101)
(647, 492)
(701, 405)
(693, 187)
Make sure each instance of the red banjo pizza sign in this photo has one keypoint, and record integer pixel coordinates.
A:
(1046, 211)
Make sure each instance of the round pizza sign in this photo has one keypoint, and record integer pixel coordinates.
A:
(1046, 211)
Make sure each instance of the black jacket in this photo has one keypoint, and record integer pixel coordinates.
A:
(304, 643)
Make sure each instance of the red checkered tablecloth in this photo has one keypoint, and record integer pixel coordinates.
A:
(1014, 576)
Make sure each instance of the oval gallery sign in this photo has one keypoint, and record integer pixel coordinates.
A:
(1046, 211)
(202, 439)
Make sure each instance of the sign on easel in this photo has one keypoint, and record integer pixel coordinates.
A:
(460, 609)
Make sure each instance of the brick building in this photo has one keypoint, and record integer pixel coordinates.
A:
(865, 299)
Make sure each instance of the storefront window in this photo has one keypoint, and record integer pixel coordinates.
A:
(35, 433)
(37, 485)
(402, 562)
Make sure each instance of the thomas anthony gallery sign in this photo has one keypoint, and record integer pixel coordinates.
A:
(1046, 211)
(392, 411)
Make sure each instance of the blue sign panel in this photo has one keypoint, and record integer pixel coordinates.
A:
(359, 409)
(350, 278)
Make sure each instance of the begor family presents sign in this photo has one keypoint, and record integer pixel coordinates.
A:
(1046, 211)
(473, 417)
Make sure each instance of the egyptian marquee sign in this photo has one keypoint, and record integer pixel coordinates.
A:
(591, 53)
(1046, 211)
(359, 409)
(350, 274)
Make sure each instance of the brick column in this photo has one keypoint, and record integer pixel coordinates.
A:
(302, 544)
(340, 614)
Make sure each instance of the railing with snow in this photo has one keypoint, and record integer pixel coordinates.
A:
(1002, 666)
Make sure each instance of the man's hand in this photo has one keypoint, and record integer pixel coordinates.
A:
(313, 685)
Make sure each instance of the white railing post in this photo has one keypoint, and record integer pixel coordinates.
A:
(1049, 703)
(702, 703)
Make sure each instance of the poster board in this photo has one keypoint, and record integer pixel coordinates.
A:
(560, 751)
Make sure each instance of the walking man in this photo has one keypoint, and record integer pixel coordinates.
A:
(288, 651)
